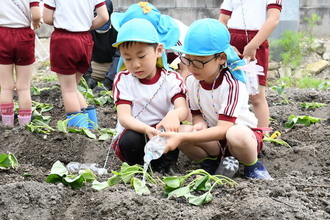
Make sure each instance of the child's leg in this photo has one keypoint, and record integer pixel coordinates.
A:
(132, 144)
(200, 151)
(81, 98)
(71, 98)
(260, 107)
(23, 85)
(7, 83)
(242, 143)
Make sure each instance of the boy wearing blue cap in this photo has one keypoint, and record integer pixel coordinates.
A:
(146, 94)
(71, 47)
(218, 98)
(171, 31)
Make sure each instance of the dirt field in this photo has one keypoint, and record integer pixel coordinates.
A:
(300, 188)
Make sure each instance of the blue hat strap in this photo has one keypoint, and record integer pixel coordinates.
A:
(237, 73)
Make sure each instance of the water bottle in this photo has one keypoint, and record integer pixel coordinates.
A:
(228, 167)
(155, 147)
(75, 167)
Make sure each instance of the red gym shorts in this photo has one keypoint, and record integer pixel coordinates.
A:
(259, 136)
(238, 39)
(70, 52)
(17, 46)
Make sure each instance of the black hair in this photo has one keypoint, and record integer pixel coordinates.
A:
(128, 44)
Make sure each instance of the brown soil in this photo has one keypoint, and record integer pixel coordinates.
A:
(300, 189)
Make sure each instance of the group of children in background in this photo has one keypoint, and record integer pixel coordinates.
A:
(148, 94)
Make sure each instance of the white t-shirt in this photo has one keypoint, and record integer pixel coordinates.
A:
(252, 13)
(228, 100)
(130, 90)
(14, 16)
(73, 15)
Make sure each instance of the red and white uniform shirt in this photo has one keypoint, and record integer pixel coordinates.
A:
(248, 14)
(128, 89)
(227, 100)
(16, 15)
(73, 15)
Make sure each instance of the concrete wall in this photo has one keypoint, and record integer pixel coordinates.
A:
(188, 11)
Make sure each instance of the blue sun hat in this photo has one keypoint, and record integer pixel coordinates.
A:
(167, 28)
(139, 30)
(207, 37)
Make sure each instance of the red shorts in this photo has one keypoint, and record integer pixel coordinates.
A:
(259, 136)
(70, 52)
(238, 39)
(17, 46)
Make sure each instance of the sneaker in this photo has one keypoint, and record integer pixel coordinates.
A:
(210, 165)
(228, 167)
(256, 171)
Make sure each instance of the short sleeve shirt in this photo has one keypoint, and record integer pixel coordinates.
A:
(16, 14)
(73, 15)
(248, 14)
(226, 100)
(151, 99)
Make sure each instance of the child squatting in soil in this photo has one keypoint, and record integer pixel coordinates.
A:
(17, 53)
(148, 96)
(218, 98)
(250, 24)
(71, 47)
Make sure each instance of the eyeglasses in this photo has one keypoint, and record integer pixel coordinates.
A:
(196, 63)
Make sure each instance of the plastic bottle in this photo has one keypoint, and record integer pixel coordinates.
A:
(75, 167)
(154, 148)
(228, 167)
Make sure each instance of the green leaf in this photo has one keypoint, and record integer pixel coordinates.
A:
(179, 192)
(13, 161)
(59, 169)
(3, 157)
(203, 183)
(278, 141)
(200, 200)
(173, 182)
(62, 125)
(75, 182)
(99, 185)
(89, 134)
(114, 180)
(105, 137)
(88, 175)
(53, 178)
(139, 187)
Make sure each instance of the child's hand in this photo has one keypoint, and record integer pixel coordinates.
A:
(199, 126)
(173, 140)
(36, 24)
(150, 132)
(169, 124)
(249, 52)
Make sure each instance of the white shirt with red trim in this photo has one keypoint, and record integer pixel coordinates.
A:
(252, 13)
(16, 17)
(73, 15)
(227, 101)
(128, 89)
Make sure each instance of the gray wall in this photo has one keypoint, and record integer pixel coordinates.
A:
(188, 11)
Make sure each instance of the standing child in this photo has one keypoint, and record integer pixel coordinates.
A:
(17, 56)
(71, 51)
(250, 24)
(218, 98)
(146, 94)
